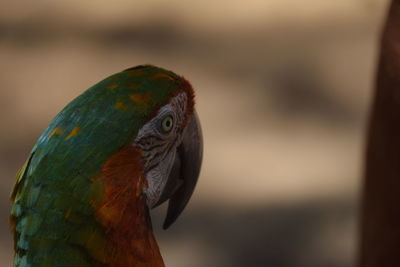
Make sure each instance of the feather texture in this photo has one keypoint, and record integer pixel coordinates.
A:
(71, 204)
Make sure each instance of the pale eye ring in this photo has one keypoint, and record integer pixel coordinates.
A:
(167, 124)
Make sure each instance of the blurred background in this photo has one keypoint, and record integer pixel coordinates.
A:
(283, 91)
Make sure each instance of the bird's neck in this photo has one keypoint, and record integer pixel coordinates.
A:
(124, 215)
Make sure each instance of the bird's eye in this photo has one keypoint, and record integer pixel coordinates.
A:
(167, 124)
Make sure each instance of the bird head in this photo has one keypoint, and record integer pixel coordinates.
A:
(145, 107)
(171, 145)
(167, 134)
(124, 146)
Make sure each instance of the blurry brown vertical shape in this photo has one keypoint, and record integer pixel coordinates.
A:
(380, 222)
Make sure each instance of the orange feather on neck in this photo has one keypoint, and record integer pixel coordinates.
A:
(124, 214)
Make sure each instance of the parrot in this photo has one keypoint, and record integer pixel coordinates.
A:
(123, 147)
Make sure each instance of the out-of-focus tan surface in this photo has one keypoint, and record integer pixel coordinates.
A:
(283, 89)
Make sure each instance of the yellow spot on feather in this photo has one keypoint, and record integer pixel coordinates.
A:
(112, 86)
(141, 99)
(137, 72)
(21, 171)
(68, 213)
(120, 106)
(73, 133)
(56, 131)
(161, 76)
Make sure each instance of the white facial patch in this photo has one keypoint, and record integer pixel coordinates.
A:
(159, 147)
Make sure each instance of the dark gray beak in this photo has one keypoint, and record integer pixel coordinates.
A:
(185, 172)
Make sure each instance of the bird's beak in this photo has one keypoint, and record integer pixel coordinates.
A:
(185, 172)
